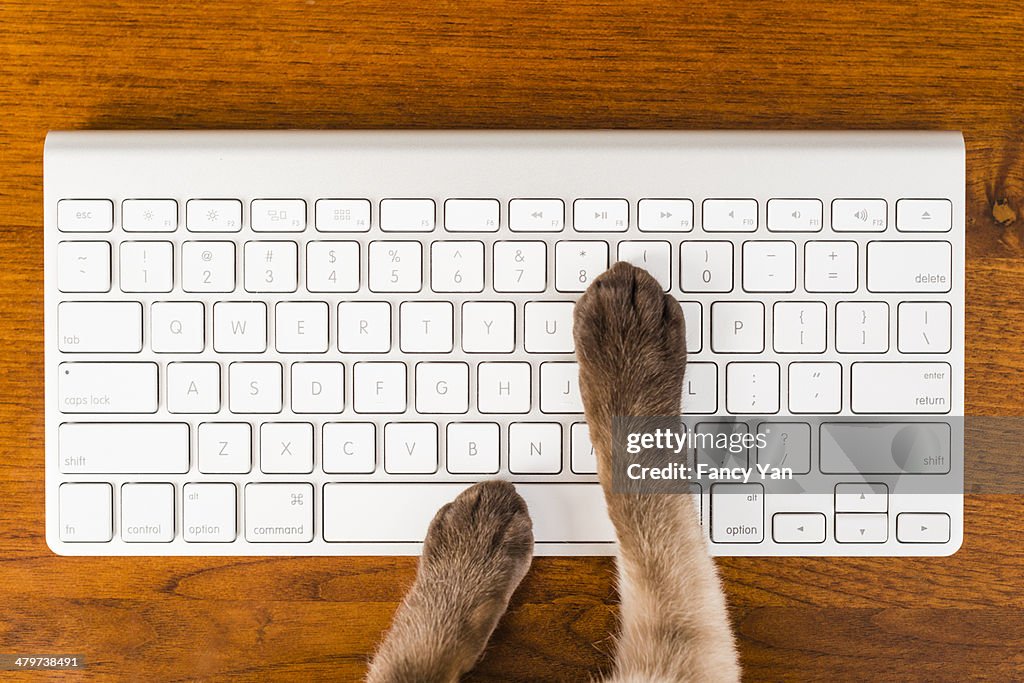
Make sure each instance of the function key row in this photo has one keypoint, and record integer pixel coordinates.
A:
(524, 215)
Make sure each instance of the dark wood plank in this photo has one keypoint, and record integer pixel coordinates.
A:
(531, 64)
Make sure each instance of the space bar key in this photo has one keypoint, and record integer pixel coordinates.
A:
(401, 513)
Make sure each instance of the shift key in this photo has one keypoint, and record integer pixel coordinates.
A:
(107, 387)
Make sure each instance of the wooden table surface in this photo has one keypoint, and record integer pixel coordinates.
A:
(525, 64)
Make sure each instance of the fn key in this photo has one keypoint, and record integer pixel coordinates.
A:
(86, 513)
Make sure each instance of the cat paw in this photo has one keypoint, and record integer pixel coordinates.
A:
(630, 344)
(477, 550)
(479, 547)
(487, 528)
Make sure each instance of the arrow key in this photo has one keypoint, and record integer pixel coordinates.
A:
(922, 527)
(860, 497)
(798, 527)
(860, 528)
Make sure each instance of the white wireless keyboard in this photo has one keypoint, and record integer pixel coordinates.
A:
(304, 343)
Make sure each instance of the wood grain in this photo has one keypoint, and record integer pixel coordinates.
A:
(528, 64)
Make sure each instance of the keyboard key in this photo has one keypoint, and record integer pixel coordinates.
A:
(363, 513)
(286, 448)
(922, 527)
(488, 326)
(332, 266)
(578, 263)
(457, 266)
(364, 327)
(107, 387)
(407, 215)
(718, 444)
(786, 444)
(118, 448)
(213, 215)
(815, 388)
(271, 267)
(149, 215)
(442, 388)
(665, 215)
(799, 327)
(147, 513)
(706, 266)
(582, 454)
(798, 527)
(193, 387)
(560, 388)
(730, 215)
(473, 447)
(208, 513)
(861, 528)
(885, 448)
(924, 327)
(277, 215)
(379, 387)
(300, 327)
(924, 215)
(520, 266)
(794, 215)
(177, 327)
(240, 327)
(700, 389)
(548, 327)
(536, 215)
(910, 266)
(86, 513)
(410, 448)
(534, 448)
(471, 215)
(859, 215)
(769, 266)
(600, 215)
(654, 257)
(85, 215)
(503, 387)
(99, 327)
(426, 327)
(225, 448)
(901, 388)
(147, 267)
(349, 447)
(737, 513)
(737, 327)
(862, 497)
(208, 266)
(396, 266)
(830, 266)
(343, 215)
(862, 327)
(83, 266)
(318, 387)
(279, 513)
(752, 388)
(693, 316)
(254, 388)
